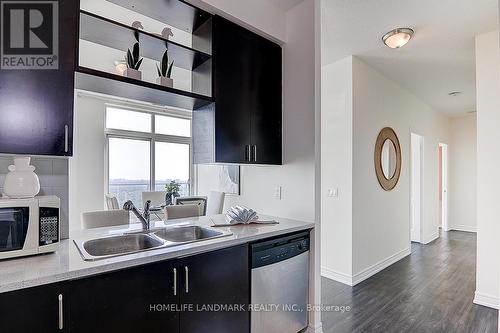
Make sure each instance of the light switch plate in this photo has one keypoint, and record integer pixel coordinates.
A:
(277, 193)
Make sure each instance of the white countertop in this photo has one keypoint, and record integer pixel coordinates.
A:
(67, 263)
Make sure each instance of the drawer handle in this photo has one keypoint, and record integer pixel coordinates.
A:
(186, 269)
(61, 312)
(175, 281)
(66, 138)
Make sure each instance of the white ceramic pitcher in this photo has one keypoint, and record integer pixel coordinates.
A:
(21, 181)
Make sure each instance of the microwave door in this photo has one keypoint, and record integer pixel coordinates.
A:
(14, 224)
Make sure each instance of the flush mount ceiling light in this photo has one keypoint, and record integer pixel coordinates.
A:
(398, 37)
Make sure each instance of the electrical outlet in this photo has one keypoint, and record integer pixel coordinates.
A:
(277, 193)
(332, 193)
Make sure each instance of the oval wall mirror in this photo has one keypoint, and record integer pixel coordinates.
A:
(387, 159)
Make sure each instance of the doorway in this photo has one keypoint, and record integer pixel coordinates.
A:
(443, 186)
(416, 187)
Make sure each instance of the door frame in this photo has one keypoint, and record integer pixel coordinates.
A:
(444, 223)
(421, 143)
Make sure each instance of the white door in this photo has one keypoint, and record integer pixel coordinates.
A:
(444, 187)
(417, 143)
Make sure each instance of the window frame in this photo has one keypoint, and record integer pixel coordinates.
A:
(152, 137)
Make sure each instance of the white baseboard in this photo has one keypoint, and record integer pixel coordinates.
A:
(486, 300)
(374, 269)
(430, 238)
(336, 276)
(318, 328)
(366, 273)
(465, 228)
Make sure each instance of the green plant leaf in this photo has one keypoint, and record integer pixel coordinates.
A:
(173, 187)
(130, 60)
(159, 72)
(169, 72)
(164, 63)
(136, 53)
(138, 65)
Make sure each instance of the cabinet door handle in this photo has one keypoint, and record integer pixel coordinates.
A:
(248, 153)
(61, 312)
(186, 269)
(66, 138)
(255, 153)
(175, 281)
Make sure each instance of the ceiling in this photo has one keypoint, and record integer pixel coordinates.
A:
(440, 57)
(285, 5)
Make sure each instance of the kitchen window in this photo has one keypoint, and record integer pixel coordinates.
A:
(146, 151)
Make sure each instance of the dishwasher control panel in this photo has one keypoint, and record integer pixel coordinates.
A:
(279, 249)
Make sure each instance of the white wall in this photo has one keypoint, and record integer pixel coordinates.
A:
(380, 220)
(256, 15)
(462, 174)
(296, 176)
(336, 170)
(86, 167)
(488, 164)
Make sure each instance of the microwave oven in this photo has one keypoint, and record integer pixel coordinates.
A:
(29, 226)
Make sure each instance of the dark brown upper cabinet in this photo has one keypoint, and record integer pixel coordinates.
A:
(244, 125)
(36, 105)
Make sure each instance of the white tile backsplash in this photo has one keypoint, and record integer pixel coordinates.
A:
(54, 180)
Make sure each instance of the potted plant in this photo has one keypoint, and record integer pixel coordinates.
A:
(134, 62)
(173, 189)
(165, 72)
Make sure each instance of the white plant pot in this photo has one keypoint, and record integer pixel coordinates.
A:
(165, 81)
(133, 74)
(21, 182)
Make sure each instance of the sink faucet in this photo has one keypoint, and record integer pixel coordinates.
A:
(144, 217)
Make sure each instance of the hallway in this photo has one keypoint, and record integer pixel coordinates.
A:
(429, 291)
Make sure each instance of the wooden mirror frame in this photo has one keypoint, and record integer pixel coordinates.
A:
(387, 133)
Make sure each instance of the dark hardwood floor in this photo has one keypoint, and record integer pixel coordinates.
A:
(429, 291)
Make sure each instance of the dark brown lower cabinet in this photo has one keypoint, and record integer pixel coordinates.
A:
(203, 293)
(39, 309)
(131, 300)
(216, 285)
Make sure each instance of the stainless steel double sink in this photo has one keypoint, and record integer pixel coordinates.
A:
(106, 247)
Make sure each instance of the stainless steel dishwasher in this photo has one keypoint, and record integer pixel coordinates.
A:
(280, 284)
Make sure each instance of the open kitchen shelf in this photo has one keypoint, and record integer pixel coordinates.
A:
(115, 35)
(175, 13)
(96, 81)
(103, 31)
